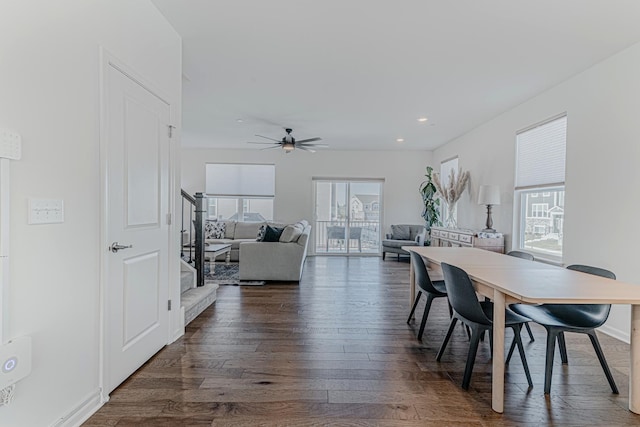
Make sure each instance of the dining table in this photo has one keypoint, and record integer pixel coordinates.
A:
(508, 280)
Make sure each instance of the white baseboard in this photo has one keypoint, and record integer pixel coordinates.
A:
(616, 333)
(81, 412)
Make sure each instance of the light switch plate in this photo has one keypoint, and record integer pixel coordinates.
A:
(10, 145)
(15, 361)
(46, 211)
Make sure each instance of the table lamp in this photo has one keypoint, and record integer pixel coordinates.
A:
(489, 195)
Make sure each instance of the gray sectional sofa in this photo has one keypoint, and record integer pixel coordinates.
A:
(282, 260)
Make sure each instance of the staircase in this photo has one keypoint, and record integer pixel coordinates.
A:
(194, 299)
(196, 295)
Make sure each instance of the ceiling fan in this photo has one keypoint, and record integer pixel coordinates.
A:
(288, 143)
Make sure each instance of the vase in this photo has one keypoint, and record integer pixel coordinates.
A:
(450, 218)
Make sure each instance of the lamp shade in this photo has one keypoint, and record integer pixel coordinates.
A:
(489, 195)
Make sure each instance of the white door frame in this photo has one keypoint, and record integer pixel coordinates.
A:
(176, 319)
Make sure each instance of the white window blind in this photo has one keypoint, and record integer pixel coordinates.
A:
(541, 155)
(240, 180)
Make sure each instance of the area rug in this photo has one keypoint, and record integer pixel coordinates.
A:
(223, 274)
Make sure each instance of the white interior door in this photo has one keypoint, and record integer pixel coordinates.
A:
(136, 291)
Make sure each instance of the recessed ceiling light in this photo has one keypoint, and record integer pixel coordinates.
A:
(239, 120)
(422, 119)
(400, 140)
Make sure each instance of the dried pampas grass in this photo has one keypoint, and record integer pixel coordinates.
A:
(455, 187)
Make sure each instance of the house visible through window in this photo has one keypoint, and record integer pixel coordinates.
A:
(540, 174)
(240, 192)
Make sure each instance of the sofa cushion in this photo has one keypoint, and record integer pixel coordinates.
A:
(214, 229)
(291, 233)
(217, 241)
(230, 229)
(272, 234)
(401, 232)
(247, 230)
(398, 243)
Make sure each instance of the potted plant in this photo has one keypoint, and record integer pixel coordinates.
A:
(431, 204)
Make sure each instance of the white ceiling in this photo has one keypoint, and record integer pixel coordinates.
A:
(359, 73)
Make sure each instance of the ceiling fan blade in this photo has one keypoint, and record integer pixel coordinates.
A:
(303, 148)
(266, 137)
(269, 143)
(308, 140)
(269, 148)
(314, 145)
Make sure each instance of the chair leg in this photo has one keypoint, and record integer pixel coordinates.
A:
(415, 304)
(511, 349)
(450, 309)
(383, 253)
(446, 338)
(548, 366)
(427, 307)
(471, 358)
(398, 257)
(562, 345)
(518, 340)
(603, 361)
(531, 338)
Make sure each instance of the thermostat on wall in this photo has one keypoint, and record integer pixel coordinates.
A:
(15, 361)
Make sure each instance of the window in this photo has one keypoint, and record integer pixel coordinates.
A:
(240, 192)
(347, 216)
(540, 168)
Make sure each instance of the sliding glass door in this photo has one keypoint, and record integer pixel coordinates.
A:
(347, 216)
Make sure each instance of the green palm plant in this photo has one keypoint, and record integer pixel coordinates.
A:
(431, 203)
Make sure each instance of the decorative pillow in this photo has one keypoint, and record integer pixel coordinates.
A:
(214, 230)
(272, 234)
(401, 232)
(261, 232)
(291, 233)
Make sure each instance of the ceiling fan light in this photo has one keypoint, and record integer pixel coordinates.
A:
(288, 147)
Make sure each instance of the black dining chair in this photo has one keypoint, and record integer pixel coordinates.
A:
(432, 289)
(477, 316)
(528, 257)
(560, 318)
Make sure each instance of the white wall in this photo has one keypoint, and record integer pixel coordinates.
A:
(49, 91)
(403, 172)
(602, 176)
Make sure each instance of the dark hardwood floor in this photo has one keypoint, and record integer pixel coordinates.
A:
(336, 350)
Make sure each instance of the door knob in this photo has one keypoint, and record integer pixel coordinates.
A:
(115, 247)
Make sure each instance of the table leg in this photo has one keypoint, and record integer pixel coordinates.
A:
(634, 373)
(227, 258)
(412, 284)
(497, 375)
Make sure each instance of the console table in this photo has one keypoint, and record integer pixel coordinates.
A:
(460, 237)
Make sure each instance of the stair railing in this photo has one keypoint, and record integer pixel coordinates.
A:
(192, 230)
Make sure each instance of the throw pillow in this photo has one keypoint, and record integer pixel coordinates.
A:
(291, 233)
(214, 230)
(272, 234)
(400, 232)
(261, 232)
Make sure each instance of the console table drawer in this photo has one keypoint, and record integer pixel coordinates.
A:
(452, 236)
(465, 238)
